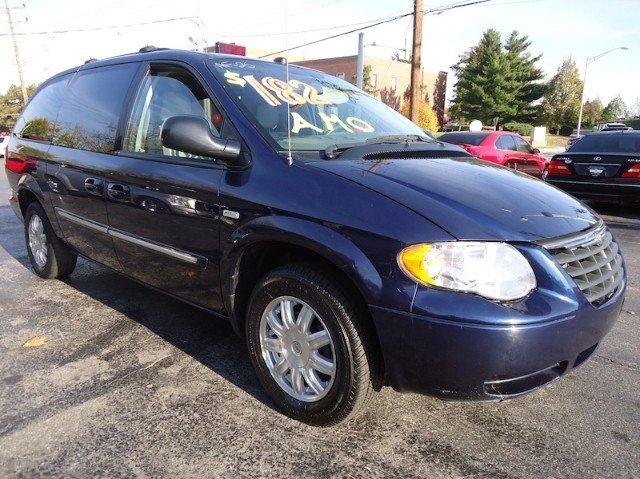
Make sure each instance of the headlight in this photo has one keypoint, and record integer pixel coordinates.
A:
(493, 270)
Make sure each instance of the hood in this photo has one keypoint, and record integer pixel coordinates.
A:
(469, 198)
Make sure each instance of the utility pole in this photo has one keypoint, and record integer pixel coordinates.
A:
(16, 52)
(360, 62)
(416, 61)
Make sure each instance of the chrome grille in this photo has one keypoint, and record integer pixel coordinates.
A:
(592, 259)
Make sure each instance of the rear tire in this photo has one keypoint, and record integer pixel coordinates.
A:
(50, 258)
(329, 394)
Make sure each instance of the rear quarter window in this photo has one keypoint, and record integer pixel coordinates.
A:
(38, 119)
(93, 106)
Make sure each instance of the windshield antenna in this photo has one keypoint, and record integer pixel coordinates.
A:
(286, 68)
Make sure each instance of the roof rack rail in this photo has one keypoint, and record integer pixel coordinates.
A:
(150, 48)
(91, 60)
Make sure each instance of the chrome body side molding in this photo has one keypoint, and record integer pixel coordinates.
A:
(121, 235)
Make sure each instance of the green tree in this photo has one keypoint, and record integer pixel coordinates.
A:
(496, 81)
(615, 110)
(367, 82)
(525, 76)
(592, 112)
(11, 104)
(561, 104)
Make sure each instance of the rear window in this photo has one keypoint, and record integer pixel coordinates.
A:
(604, 143)
(38, 119)
(92, 109)
(473, 139)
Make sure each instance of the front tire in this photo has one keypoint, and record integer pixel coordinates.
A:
(50, 258)
(311, 345)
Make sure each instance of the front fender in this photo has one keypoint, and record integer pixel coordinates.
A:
(328, 243)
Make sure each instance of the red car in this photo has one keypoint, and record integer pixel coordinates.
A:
(501, 147)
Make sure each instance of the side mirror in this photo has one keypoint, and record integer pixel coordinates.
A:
(535, 151)
(192, 134)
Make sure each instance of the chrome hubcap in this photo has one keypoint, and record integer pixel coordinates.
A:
(297, 348)
(38, 241)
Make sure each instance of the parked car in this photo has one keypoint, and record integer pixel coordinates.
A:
(4, 141)
(575, 136)
(604, 165)
(347, 249)
(500, 147)
(613, 127)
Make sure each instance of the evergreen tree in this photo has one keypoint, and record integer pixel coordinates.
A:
(561, 104)
(496, 81)
(367, 82)
(615, 110)
(525, 76)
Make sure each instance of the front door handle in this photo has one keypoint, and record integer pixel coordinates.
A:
(94, 185)
(117, 191)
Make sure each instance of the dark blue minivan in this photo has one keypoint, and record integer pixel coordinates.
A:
(350, 250)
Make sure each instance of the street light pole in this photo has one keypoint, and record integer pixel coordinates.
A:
(360, 62)
(584, 81)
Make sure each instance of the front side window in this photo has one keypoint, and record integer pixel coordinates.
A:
(522, 145)
(38, 119)
(163, 94)
(322, 109)
(88, 119)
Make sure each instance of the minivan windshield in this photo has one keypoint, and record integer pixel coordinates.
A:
(323, 110)
(608, 143)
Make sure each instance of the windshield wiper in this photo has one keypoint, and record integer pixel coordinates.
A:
(398, 139)
(333, 151)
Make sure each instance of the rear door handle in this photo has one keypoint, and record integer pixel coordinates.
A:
(117, 191)
(94, 185)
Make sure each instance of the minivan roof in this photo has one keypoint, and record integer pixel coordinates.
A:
(161, 54)
(616, 132)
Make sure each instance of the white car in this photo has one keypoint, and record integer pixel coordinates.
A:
(4, 141)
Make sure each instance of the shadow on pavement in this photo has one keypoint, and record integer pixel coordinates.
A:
(207, 339)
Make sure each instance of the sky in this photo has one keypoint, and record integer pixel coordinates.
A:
(557, 29)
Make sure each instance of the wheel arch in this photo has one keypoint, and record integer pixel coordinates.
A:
(268, 242)
(28, 191)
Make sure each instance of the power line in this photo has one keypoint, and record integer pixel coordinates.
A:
(232, 35)
(432, 11)
(106, 27)
(392, 19)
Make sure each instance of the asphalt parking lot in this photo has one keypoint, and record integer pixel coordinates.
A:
(129, 382)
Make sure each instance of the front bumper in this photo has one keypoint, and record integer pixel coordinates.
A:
(618, 190)
(465, 360)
